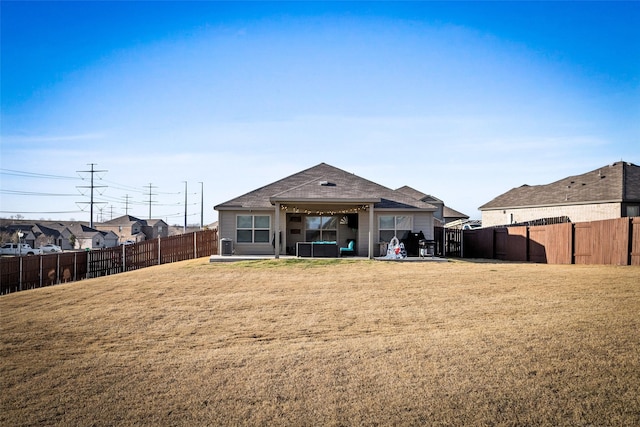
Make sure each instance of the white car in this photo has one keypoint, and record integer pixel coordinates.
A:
(18, 249)
(50, 247)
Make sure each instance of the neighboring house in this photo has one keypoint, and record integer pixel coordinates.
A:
(55, 233)
(12, 230)
(90, 238)
(608, 192)
(452, 215)
(40, 233)
(128, 227)
(155, 228)
(322, 204)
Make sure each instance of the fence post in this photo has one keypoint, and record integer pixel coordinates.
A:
(57, 268)
(630, 242)
(195, 246)
(444, 243)
(40, 270)
(573, 243)
(527, 243)
(159, 253)
(75, 266)
(20, 279)
(124, 259)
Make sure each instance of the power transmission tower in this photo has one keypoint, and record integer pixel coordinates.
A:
(185, 206)
(92, 187)
(150, 200)
(201, 205)
(126, 204)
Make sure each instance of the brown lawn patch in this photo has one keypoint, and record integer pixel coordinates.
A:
(327, 343)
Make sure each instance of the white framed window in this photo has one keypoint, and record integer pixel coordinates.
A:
(253, 228)
(321, 228)
(390, 226)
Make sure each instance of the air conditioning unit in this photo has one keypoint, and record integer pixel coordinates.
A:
(226, 247)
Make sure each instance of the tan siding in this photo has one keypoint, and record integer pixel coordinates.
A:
(363, 233)
(576, 213)
(227, 229)
(423, 222)
(227, 225)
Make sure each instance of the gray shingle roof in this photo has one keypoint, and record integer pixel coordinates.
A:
(452, 213)
(124, 220)
(324, 183)
(618, 182)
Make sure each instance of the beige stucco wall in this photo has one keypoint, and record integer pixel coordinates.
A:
(576, 213)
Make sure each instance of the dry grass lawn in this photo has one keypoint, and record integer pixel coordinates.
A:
(351, 342)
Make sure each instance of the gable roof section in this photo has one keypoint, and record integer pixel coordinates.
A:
(447, 212)
(48, 231)
(618, 182)
(324, 183)
(124, 220)
(452, 213)
(412, 192)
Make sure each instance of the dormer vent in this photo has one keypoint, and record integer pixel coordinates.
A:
(327, 184)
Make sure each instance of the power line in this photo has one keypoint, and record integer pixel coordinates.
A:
(26, 174)
(34, 193)
(39, 213)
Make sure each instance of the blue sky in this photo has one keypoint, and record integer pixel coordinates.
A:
(460, 100)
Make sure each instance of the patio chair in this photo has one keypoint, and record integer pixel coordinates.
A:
(350, 249)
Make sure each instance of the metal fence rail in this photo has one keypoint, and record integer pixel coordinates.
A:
(29, 272)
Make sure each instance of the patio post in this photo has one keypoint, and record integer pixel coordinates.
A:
(277, 231)
(370, 230)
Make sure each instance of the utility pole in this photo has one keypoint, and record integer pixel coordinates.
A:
(185, 206)
(126, 204)
(111, 206)
(150, 200)
(92, 187)
(201, 205)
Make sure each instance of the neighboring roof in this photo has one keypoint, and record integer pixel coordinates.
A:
(418, 195)
(153, 222)
(124, 220)
(452, 213)
(84, 232)
(447, 212)
(324, 184)
(618, 182)
(48, 231)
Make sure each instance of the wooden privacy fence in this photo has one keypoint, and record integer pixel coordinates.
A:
(29, 272)
(613, 241)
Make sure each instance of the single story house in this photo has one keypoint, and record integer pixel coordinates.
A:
(58, 234)
(11, 233)
(90, 238)
(322, 204)
(128, 227)
(611, 191)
